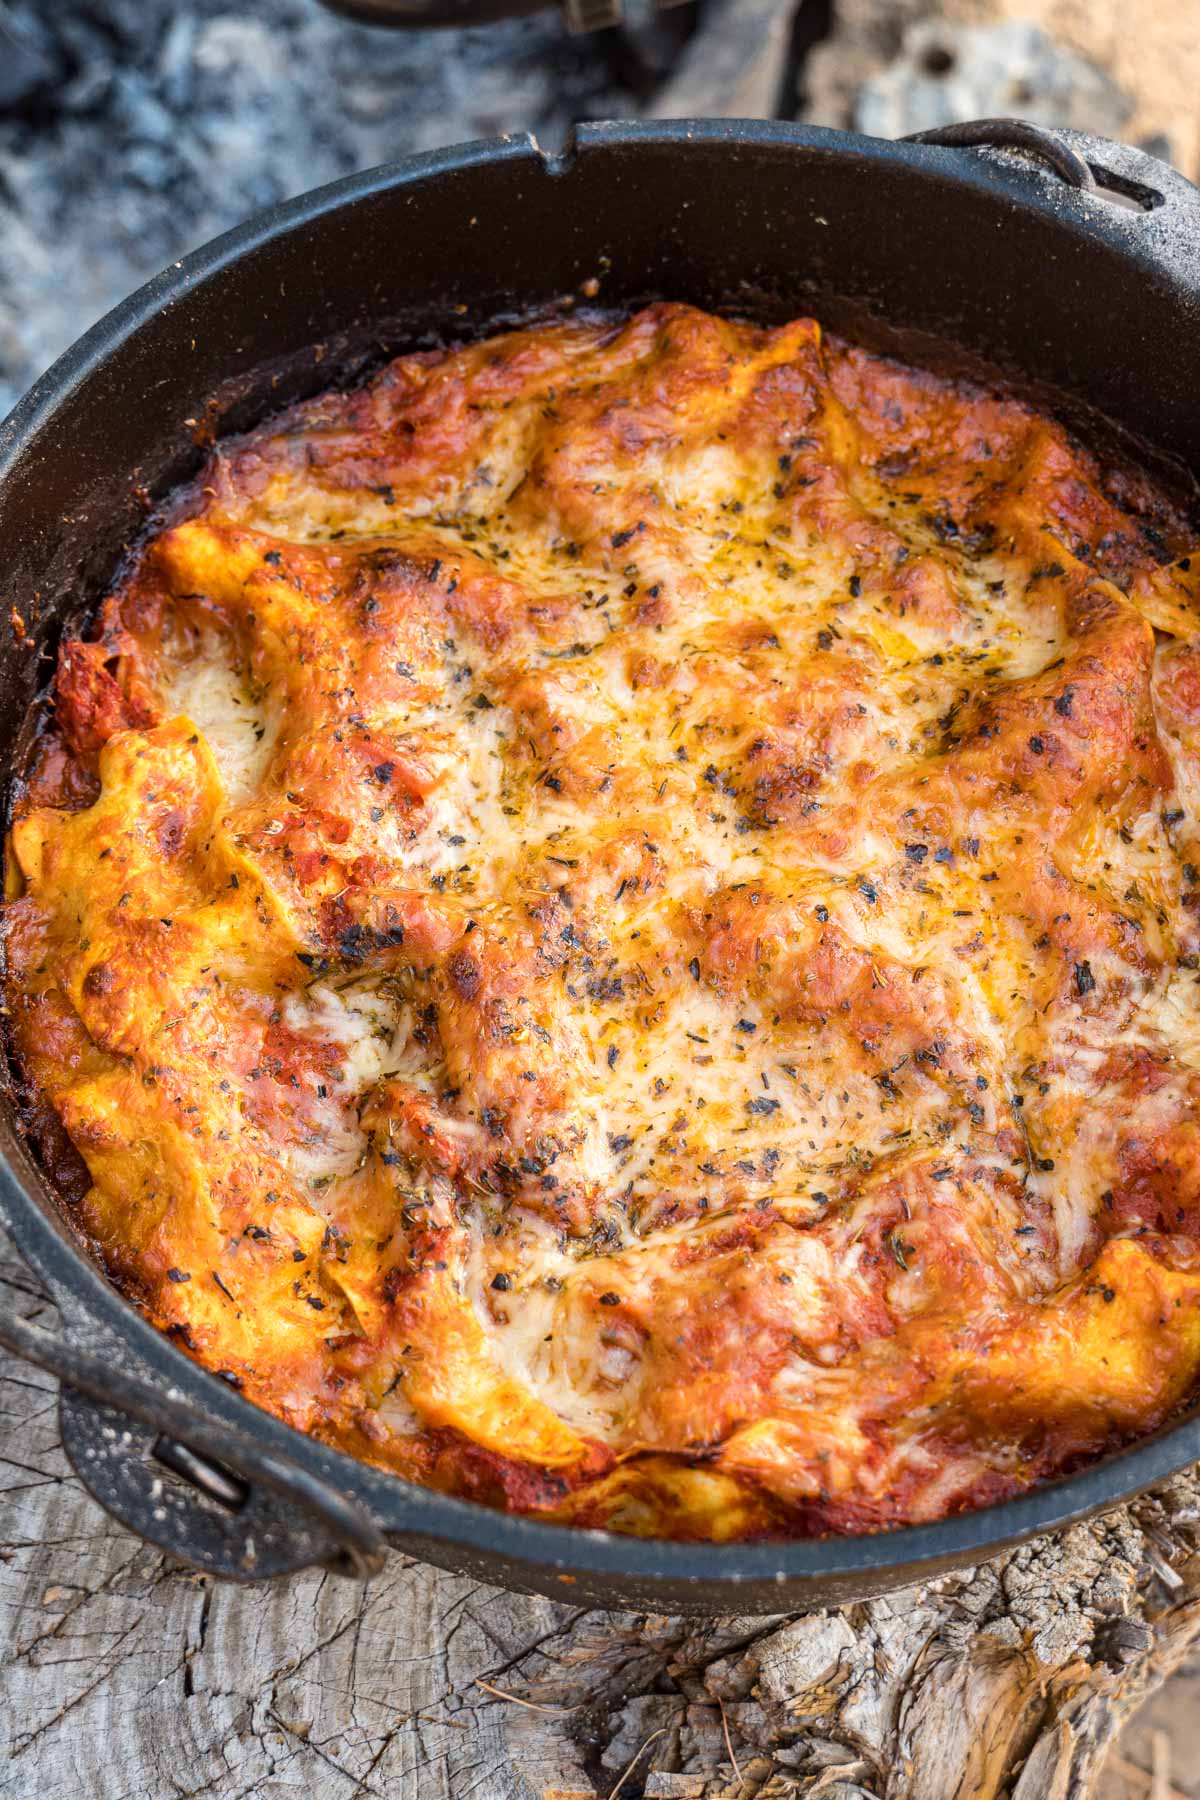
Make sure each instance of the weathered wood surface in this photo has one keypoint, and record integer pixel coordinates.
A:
(125, 1678)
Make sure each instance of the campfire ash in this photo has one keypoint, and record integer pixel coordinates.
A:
(132, 130)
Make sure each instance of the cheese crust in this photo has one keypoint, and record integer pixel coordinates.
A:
(613, 916)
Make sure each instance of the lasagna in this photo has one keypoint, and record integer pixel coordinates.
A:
(610, 923)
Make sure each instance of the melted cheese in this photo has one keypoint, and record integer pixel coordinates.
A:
(205, 685)
(642, 912)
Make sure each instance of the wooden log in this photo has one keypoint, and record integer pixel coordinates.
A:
(126, 1678)
(734, 66)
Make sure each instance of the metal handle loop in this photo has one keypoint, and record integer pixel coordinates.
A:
(354, 1535)
(1014, 134)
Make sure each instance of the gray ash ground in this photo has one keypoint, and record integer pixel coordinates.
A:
(133, 130)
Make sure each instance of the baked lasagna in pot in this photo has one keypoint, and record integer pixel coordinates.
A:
(613, 917)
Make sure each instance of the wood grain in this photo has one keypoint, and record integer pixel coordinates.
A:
(123, 1677)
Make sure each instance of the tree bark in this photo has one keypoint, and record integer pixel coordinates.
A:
(126, 1678)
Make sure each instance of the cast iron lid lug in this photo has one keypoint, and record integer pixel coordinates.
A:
(1048, 146)
(262, 1512)
(1118, 174)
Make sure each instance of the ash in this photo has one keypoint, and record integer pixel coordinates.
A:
(133, 130)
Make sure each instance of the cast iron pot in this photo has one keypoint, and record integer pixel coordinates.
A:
(1068, 261)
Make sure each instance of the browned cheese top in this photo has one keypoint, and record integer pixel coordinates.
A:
(613, 916)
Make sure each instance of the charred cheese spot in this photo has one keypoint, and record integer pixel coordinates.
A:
(615, 918)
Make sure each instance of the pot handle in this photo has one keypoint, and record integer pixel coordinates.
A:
(1129, 179)
(238, 1508)
(1013, 134)
(1143, 207)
